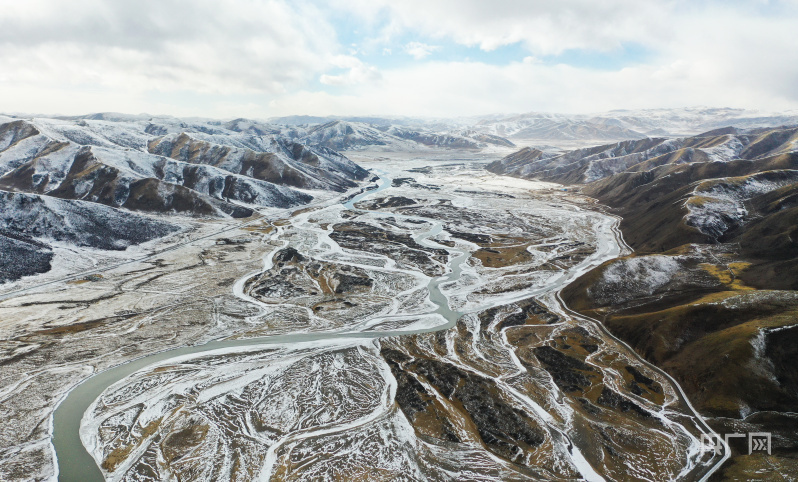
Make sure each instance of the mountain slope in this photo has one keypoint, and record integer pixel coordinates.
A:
(30, 223)
(595, 163)
(50, 160)
(342, 135)
(280, 161)
(22, 257)
(119, 164)
(349, 135)
(583, 165)
(554, 127)
(466, 139)
(77, 222)
(711, 292)
(712, 189)
(72, 172)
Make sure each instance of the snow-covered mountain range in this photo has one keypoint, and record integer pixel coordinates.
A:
(522, 128)
(496, 131)
(627, 124)
(591, 164)
(161, 165)
(702, 188)
(74, 182)
(379, 134)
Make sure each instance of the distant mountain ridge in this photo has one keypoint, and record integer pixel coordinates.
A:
(475, 132)
(669, 192)
(100, 168)
(613, 125)
(594, 163)
(628, 124)
(352, 135)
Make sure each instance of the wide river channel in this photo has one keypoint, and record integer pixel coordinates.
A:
(75, 464)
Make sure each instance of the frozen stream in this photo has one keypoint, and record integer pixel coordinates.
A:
(75, 463)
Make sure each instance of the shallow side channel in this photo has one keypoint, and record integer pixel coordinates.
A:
(75, 463)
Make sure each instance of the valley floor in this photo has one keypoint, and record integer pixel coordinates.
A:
(414, 333)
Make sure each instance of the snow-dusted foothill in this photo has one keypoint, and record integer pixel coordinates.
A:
(633, 277)
(107, 166)
(31, 223)
(718, 205)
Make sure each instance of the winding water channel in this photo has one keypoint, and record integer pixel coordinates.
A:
(75, 463)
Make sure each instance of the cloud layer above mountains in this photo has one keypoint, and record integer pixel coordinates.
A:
(449, 57)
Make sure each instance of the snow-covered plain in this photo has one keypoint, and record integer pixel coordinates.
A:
(312, 383)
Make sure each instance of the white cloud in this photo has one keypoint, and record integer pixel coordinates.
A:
(208, 58)
(544, 27)
(358, 72)
(468, 88)
(160, 46)
(419, 50)
(708, 53)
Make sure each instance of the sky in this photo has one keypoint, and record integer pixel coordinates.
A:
(426, 58)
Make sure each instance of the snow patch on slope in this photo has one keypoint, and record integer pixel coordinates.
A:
(630, 278)
(605, 164)
(719, 205)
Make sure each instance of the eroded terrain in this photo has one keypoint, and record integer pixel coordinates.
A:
(415, 334)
